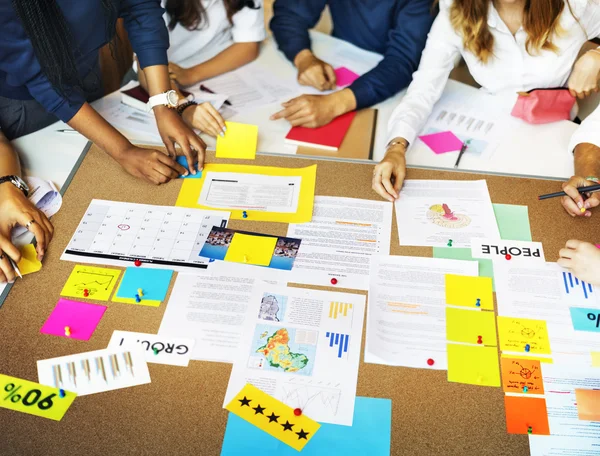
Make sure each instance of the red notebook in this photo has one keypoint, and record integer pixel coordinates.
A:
(329, 137)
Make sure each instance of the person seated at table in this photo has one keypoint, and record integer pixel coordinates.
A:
(16, 209)
(508, 46)
(397, 29)
(49, 70)
(209, 38)
(582, 259)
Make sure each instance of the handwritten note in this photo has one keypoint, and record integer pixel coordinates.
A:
(523, 335)
(442, 142)
(91, 283)
(157, 349)
(522, 376)
(469, 291)
(585, 319)
(526, 415)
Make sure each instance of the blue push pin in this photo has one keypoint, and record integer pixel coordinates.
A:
(478, 303)
(525, 389)
(137, 298)
(61, 393)
(244, 214)
(527, 347)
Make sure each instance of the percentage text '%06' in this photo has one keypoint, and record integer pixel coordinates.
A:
(594, 317)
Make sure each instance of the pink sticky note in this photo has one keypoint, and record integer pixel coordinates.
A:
(81, 319)
(345, 77)
(442, 142)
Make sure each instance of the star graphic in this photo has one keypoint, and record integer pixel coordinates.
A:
(273, 417)
(245, 401)
(287, 426)
(258, 409)
(302, 434)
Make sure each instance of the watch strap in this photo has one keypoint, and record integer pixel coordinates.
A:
(17, 182)
(183, 106)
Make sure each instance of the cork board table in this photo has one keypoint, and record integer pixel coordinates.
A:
(180, 412)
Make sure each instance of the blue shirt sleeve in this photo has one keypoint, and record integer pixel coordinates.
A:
(405, 44)
(291, 22)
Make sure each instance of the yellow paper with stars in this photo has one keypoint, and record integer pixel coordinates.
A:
(466, 290)
(245, 248)
(240, 141)
(523, 335)
(273, 416)
(29, 262)
(99, 282)
(473, 364)
(470, 326)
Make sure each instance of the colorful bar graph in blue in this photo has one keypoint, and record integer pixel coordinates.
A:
(340, 340)
(571, 283)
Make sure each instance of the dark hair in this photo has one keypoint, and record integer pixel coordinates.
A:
(50, 36)
(191, 13)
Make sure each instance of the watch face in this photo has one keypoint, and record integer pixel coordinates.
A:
(172, 98)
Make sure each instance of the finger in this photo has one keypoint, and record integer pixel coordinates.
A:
(592, 201)
(565, 263)
(378, 187)
(170, 145)
(48, 224)
(317, 78)
(574, 195)
(212, 126)
(572, 244)
(154, 177)
(190, 154)
(167, 172)
(331, 78)
(304, 112)
(398, 181)
(41, 250)
(285, 113)
(178, 169)
(306, 121)
(36, 228)
(566, 253)
(573, 93)
(570, 206)
(8, 249)
(217, 117)
(200, 148)
(386, 181)
(6, 269)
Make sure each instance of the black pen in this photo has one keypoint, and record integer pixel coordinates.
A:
(462, 151)
(588, 189)
(207, 90)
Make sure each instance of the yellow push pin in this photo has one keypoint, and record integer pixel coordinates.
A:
(67, 331)
(245, 258)
(140, 292)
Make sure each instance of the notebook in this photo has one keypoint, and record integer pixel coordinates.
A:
(329, 137)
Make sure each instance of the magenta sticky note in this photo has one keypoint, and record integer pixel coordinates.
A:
(345, 77)
(442, 142)
(81, 318)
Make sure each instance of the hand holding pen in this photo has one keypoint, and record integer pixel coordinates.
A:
(578, 196)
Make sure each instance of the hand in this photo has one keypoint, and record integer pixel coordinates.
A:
(153, 166)
(205, 118)
(16, 209)
(583, 259)
(584, 77)
(574, 203)
(310, 111)
(183, 76)
(314, 72)
(389, 174)
(173, 130)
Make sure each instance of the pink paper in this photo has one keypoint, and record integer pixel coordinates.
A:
(345, 77)
(80, 317)
(442, 142)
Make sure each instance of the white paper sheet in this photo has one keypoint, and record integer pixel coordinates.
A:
(116, 233)
(174, 351)
(433, 212)
(95, 371)
(339, 241)
(497, 250)
(255, 192)
(556, 445)
(302, 347)
(406, 319)
(45, 196)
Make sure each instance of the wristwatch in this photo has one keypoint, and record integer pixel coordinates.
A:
(17, 182)
(168, 99)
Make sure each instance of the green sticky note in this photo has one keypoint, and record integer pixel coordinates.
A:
(513, 222)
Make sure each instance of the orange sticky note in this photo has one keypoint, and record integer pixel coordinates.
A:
(588, 404)
(523, 413)
(522, 376)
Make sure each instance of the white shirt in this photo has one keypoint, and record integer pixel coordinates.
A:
(511, 69)
(192, 47)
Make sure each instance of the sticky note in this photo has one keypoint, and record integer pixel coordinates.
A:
(523, 413)
(29, 262)
(240, 141)
(513, 222)
(273, 416)
(588, 404)
(154, 284)
(442, 142)
(369, 434)
(523, 335)
(466, 290)
(345, 77)
(81, 318)
(522, 376)
(245, 248)
(585, 319)
(595, 359)
(99, 282)
(541, 358)
(473, 364)
(34, 399)
(470, 326)
(182, 160)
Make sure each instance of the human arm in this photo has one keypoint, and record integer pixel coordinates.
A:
(586, 71)
(583, 259)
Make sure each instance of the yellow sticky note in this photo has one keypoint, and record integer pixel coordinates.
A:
(473, 364)
(470, 326)
(191, 188)
(466, 290)
(240, 141)
(595, 359)
(523, 335)
(249, 249)
(273, 416)
(29, 262)
(32, 398)
(99, 282)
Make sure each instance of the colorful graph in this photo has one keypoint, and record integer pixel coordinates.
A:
(339, 309)
(572, 283)
(340, 341)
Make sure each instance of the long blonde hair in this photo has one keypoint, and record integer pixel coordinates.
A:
(540, 21)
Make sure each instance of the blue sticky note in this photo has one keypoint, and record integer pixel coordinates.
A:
(183, 162)
(153, 282)
(585, 319)
(370, 434)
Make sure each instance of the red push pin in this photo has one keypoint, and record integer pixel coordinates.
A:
(138, 263)
(297, 412)
(508, 256)
(430, 362)
(479, 340)
(86, 293)
(333, 281)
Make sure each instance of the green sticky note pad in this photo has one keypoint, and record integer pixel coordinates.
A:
(240, 141)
